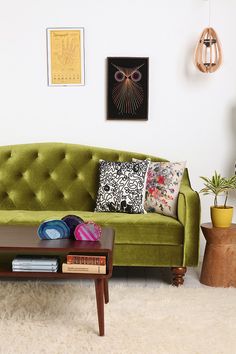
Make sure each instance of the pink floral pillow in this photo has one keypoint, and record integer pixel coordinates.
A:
(162, 187)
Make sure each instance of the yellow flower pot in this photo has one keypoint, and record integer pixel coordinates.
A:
(221, 217)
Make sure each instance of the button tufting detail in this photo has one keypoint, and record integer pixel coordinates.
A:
(60, 195)
(4, 195)
(52, 175)
(63, 156)
(8, 155)
(56, 168)
(35, 155)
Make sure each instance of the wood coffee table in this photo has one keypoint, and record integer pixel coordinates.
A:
(23, 240)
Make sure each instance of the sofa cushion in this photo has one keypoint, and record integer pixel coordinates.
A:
(147, 229)
(122, 186)
(162, 188)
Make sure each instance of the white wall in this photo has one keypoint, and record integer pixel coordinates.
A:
(192, 116)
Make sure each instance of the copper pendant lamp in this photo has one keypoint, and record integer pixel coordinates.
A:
(208, 54)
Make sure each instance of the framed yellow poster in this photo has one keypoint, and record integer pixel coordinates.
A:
(65, 48)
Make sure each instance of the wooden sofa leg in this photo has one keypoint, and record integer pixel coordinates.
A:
(178, 274)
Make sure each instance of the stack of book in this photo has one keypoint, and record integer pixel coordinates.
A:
(82, 263)
(35, 264)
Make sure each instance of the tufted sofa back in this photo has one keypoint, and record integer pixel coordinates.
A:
(53, 176)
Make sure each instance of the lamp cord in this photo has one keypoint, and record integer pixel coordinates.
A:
(209, 9)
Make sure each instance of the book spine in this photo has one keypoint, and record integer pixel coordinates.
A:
(35, 270)
(83, 268)
(34, 267)
(84, 259)
(34, 262)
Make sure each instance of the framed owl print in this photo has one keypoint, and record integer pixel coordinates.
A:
(127, 88)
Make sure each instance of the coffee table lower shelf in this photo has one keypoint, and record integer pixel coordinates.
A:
(8, 273)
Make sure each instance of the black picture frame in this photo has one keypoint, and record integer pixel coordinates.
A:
(127, 88)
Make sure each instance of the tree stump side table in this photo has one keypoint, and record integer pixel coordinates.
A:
(219, 262)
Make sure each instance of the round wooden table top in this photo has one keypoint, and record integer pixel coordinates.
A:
(208, 225)
(222, 235)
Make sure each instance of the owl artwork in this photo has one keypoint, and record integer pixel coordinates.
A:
(127, 88)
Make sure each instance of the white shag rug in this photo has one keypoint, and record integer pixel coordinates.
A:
(61, 318)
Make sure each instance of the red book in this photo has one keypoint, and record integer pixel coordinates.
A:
(85, 259)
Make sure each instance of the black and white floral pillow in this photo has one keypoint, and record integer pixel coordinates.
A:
(122, 187)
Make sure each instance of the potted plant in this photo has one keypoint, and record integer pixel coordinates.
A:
(221, 215)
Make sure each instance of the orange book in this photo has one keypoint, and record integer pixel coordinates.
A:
(85, 259)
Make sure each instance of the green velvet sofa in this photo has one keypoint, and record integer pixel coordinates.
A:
(49, 180)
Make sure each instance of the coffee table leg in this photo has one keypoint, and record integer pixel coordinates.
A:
(99, 287)
(106, 291)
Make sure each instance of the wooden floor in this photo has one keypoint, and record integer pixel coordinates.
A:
(154, 277)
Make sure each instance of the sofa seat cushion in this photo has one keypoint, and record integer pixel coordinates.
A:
(147, 229)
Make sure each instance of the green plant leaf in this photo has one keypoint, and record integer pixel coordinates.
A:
(218, 185)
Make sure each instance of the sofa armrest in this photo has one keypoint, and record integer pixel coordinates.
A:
(189, 215)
